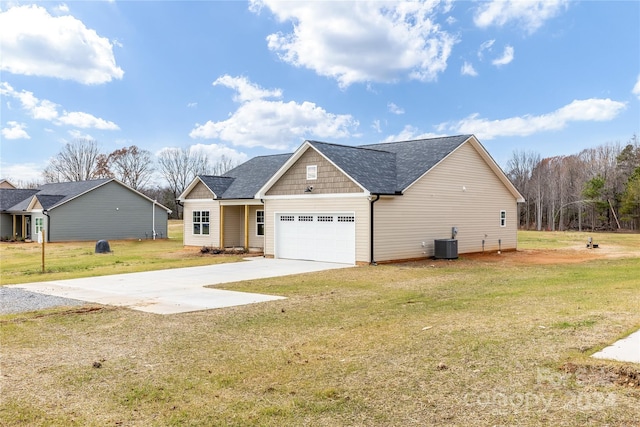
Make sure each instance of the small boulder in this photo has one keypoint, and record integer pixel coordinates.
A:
(102, 247)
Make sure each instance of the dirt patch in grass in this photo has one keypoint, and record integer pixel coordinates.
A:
(602, 375)
(484, 340)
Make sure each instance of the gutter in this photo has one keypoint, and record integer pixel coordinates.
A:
(371, 202)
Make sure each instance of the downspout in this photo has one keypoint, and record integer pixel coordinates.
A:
(46, 213)
(264, 236)
(153, 221)
(371, 202)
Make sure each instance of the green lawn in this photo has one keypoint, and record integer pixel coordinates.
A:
(484, 340)
(22, 262)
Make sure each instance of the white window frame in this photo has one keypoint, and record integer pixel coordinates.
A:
(312, 172)
(204, 227)
(259, 213)
(503, 218)
(39, 225)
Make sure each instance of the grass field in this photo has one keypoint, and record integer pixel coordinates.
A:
(483, 340)
(22, 263)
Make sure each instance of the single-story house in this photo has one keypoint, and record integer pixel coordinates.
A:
(83, 210)
(358, 204)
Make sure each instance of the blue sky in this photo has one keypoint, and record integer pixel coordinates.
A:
(242, 79)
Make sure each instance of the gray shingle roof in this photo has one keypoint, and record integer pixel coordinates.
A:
(415, 158)
(250, 176)
(68, 191)
(217, 184)
(374, 169)
(12, 199)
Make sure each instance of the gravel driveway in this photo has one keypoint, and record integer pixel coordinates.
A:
(16, 300)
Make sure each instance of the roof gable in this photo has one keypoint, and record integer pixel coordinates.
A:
(374, 170)
(416, 157)
(251, 175)
(55, 194)
(12, 199)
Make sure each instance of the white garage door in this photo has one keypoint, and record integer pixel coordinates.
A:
(318, 237)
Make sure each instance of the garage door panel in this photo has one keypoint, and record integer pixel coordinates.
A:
(325, 237)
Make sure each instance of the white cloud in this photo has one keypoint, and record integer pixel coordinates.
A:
(359, 42)
(34, 43)
(245, 90)
(530, 14)
(393, 108)
(376, 126)
(62, 8)
(216, 152)
(192, 104)
(76, 134)
(85, 120)
(22, 172)
(506, 57)
(578, 110)
(15, 130)
(636, 88)
(468, 70)
(409, 133)
(485, 46)
(43, 109)
(275, 124)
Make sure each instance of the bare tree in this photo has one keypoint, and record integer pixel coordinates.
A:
(519, 170)
(222, 165)
(78, 161)
(180, 166)
(132, 166)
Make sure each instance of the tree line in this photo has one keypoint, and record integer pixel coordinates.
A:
(596, 189)
(82, 160)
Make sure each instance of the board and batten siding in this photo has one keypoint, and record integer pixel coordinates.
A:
(357, 204)
(462, 191)
(330, 180)
(213, 206)
(110, 211)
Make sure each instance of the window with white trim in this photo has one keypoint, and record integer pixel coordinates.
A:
(312, 172)
(503, 218)
(201, 222)
(39, 225)
(260, 223)
(325, 218)
(305, 218)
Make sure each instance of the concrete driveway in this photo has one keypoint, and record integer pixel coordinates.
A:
(178, 290)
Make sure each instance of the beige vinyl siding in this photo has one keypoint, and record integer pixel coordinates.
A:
(200, 191)
(255, 241)
(463, 192)
(330, 179)
(357, 204)
(213, 239)
(234, 226)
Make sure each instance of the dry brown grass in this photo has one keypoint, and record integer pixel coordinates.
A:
(484, 340)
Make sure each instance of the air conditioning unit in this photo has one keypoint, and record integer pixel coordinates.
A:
(446, 249)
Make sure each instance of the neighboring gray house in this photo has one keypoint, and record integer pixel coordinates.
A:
(84, 210)
(371, 203)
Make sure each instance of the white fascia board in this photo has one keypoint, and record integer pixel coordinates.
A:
(191, 186)
(239, 202)
(319, 196)
(291, 161)
(285, 167)
(488, 160)
(496, 169)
